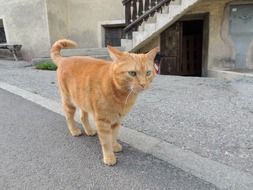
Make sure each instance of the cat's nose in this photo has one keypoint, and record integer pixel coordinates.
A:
(142, 85)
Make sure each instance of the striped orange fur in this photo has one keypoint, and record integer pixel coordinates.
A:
(105, 89)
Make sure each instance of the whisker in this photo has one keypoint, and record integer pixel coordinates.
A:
(127, 98)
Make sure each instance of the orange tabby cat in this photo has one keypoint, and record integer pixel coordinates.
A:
(105, 89)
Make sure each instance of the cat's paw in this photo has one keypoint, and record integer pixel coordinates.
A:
(91, 132)
(76, 132)
(117, 147)
(110, 160)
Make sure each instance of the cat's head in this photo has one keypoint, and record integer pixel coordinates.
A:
(133, 72)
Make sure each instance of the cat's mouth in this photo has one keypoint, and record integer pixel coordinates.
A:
(136, 89)
(139, 89)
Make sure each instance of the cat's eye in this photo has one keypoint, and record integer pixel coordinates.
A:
(132, 73)
(148, 73)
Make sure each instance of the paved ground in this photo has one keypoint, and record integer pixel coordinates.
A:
(24, 76)
(210, 117)
(38, 153)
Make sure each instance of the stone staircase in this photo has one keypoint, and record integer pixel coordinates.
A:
(157, 23)
(100, 53)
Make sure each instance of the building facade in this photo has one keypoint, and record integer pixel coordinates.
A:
(210, 35)
(37, 24)
(195, 36)
(229, 32)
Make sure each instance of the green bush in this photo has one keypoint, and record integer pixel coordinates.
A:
(46, 65)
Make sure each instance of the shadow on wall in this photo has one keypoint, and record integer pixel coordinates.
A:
(224, 63)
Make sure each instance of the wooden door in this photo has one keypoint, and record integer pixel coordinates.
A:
(192, 48)
(2, 32)
(113, 35)
(171, 50)
(181, 49)
(192, 56)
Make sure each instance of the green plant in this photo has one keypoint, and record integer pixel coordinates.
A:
(46, 65)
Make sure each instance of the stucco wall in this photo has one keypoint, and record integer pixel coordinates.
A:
(221, 48)
(84, 17)
(25, 23)
(57, 19)
(39, 23)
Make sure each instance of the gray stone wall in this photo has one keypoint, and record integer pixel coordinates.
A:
(26, 23)
(225, 51)
(84, 17)
(57, 19)
(37, 24)
(80, 20)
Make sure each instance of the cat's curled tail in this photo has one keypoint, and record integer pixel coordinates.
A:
(58, 45)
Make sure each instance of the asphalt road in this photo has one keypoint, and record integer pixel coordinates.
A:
(37, 152)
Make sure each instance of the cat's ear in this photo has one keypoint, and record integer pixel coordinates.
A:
(152, 53)
(115, 54)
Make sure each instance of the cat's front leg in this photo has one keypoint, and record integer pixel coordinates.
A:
(115, 131)
(105, 137)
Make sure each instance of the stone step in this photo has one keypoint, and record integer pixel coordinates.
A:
(99, 53)
(150, 27)
(87, 51)
(84, 52)
(36, 61)
(128, 43)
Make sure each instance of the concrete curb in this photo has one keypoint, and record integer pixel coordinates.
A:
(223, 176)
(230, 75)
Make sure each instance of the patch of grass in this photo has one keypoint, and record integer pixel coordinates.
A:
(46, 65)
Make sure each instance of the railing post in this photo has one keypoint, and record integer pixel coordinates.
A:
(136, 11)
(140, 8)
(153, 3)
(128, 12)
(134, 8)
(146, 7)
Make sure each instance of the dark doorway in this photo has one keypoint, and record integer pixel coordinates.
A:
(192, 47)
(2, 32)
(181, 49)
(113, 35)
